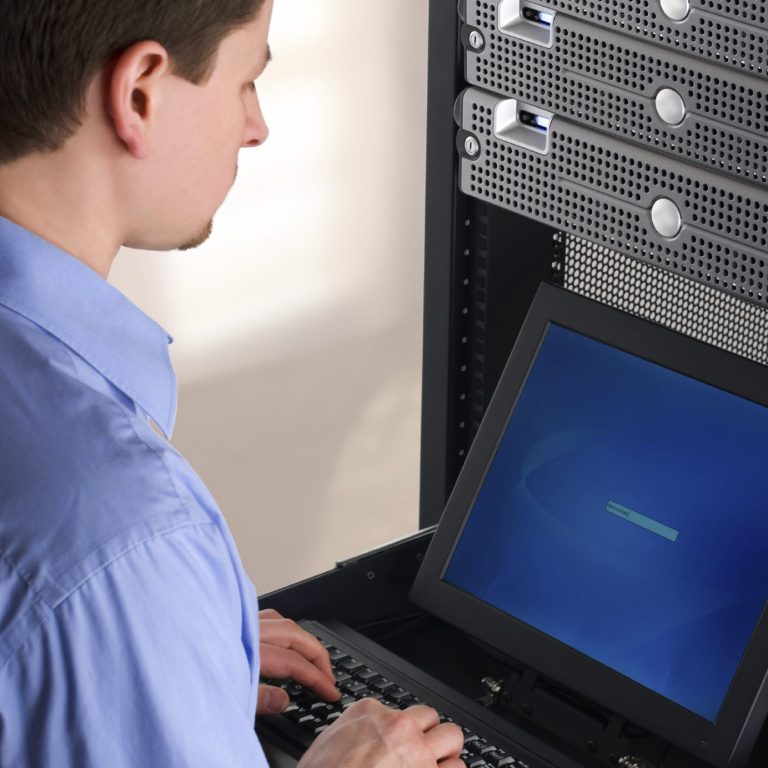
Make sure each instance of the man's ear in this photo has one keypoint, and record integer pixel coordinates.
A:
(134, 87)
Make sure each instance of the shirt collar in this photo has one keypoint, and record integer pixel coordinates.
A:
(76, 305)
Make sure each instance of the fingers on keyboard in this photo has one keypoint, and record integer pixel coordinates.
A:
(369, 694)
(446, 741)
(426, 717)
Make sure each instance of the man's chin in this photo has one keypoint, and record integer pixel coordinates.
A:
(199, 239)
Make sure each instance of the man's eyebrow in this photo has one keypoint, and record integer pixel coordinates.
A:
(268, 57)
(260, 68)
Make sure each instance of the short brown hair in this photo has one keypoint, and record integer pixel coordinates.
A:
(50, 50)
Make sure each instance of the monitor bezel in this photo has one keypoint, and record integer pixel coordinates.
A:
(728, 741)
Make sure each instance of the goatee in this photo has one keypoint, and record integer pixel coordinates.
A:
(203, 235)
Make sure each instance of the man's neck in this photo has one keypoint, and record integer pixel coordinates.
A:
(46, 195)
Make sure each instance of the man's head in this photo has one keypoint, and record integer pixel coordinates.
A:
(157, 95)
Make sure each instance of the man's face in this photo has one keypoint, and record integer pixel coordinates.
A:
(200, 130)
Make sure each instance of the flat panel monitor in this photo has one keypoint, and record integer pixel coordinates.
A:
(610, 525)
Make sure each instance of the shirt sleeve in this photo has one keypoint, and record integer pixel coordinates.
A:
(142, 665)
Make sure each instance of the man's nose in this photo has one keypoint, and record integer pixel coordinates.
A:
(256, 130)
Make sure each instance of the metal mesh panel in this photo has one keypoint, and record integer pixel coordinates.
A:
(605, 190)
(751, 12)
(611, 82)
(733, 34)
(665, 298)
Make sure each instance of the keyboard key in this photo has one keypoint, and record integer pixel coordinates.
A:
(351, 665)
(477, 747)
(341, 676)
(353, 687)
(381, 684)
(410, 701)
(296, 713)
(397, 695)
(337, 656)
(365, 675)
(315, 723)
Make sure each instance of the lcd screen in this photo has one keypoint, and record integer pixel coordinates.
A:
(624, 515)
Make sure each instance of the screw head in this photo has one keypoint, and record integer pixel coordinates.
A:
(476, 40)
(471, 146)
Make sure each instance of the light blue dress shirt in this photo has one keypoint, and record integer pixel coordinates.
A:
(128, 627)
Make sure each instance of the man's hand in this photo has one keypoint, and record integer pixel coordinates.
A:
(289, 652)
(370, 735)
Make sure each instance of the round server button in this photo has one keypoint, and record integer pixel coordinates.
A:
(677, 10)
(666, 217)
(670, 106)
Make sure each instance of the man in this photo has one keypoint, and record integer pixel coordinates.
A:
(129, 632)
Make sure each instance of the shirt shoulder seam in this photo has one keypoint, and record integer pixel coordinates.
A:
(15, 568)
(181, 499)
(52, 328)
(49, 611)
(158, 455)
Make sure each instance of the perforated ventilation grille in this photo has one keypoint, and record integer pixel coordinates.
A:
(726, 33)
(662, 297)
(603, 190)
(610, 82)
(752, 13)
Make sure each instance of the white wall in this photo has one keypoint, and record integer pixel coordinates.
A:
(298, 325)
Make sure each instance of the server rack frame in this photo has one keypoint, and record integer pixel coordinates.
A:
(474, 301)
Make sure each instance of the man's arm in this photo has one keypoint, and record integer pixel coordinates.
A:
(145, 664)
(142, 665)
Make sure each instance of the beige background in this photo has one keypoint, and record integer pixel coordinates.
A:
(298, 325)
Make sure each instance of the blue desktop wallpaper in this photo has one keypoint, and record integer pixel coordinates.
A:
(625, 515)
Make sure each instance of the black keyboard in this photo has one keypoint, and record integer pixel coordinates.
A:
(361, 674)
